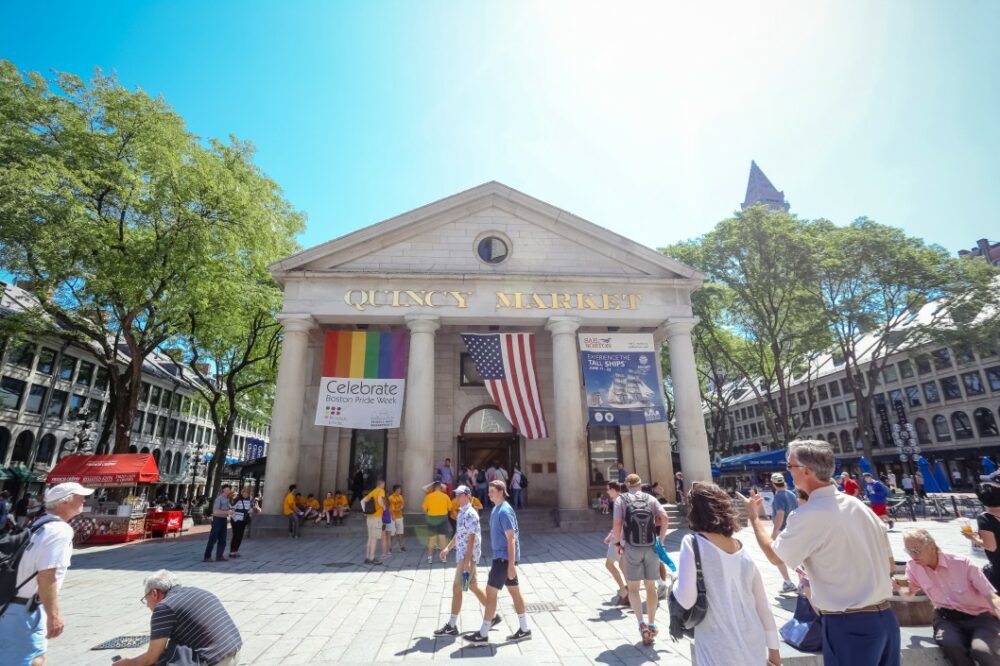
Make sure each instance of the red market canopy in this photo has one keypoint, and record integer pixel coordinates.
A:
(119, 469)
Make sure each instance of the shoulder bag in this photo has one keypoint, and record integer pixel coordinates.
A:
(684, 620)
(804, 631)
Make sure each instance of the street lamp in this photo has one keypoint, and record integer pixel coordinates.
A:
(83, 437)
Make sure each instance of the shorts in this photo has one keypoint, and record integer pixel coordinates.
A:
(389, 528)
(374, 526)
(22, 635)
(880, 509)
(613, 553)
(641, 563)
(439, 525)
(458, 575)
(397, 526)
(498, 576)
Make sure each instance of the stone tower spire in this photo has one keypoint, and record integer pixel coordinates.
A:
(761, 191)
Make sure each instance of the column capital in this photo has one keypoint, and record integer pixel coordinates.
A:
(296, 323)
(562, 325)
(675, 326)
(422, 323)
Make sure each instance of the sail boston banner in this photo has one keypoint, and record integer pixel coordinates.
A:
(620, 374)
(363, 379)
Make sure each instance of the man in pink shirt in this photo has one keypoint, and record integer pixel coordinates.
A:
(965, 606)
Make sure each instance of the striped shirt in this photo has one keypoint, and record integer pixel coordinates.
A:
(196, 618)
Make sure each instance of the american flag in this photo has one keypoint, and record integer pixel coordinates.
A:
(506, 362)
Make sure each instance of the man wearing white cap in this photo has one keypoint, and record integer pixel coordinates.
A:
(24, 627)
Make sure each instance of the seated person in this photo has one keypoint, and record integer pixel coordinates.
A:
(328, 505)
(341, 506)
(965, 605)
(312, 507)
(301, 502)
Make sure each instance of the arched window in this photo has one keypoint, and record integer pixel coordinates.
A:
(156, 456)
(941, 432)
(177, 463)
(923, 432)
(22, 447)
(986, 425)
(820, 437)
(961, 425)
(46, 446)
(133, 449)
(832, 438)
(845, 442)
(144, 449)
(4, 444)
(486, 420)
(166, 462)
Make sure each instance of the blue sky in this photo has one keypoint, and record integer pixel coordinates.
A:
(641, 117)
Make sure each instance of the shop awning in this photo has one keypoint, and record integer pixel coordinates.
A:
(119, 469)
(762, 460)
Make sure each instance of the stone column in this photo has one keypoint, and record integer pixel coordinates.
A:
(658, 438)
(693, 442)
(571, 453)
(286, 416)
(418, 410)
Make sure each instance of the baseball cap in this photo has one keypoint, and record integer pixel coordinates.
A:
(64, 490)
(868, 474)
(778, 478)
(500, 485)
(463, 490)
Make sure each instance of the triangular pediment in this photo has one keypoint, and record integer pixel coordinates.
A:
(442, 238)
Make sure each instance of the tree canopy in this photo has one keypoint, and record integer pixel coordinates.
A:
(122, 222)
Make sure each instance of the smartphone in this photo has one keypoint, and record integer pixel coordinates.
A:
(115, 658)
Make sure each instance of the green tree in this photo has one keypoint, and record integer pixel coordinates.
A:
(123, 222)
(757, 316)
(883, 291)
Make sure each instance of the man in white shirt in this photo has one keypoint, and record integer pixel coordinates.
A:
(34, 614)
(845, 551)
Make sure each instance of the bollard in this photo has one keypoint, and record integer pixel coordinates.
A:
(954, 506)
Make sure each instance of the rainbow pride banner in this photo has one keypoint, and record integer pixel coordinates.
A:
(363, 379)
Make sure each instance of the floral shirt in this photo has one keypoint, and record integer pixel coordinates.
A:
(468, 523)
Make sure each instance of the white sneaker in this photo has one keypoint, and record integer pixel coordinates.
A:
(789, 586)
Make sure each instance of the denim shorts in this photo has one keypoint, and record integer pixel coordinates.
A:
(22, 635)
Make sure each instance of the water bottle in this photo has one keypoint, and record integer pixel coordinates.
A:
(465, 581)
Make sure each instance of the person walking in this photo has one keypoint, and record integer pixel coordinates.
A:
(988, 530)
(186, 622)
(891, 476)
(516, 488)
(844, 550)
(436, 505)
(506, 546)
(613, 562)
(481, 486)
(918, 482)
(851, 486)
(242, 515)
(621, 472)
(638, 521)
(34, 616)
(878, 497)
(784, 503)
(221, 511)
(907, 485)
(21, 510)
(738, 627)
(467, 544)
(679, 487)
(965, 603)
(373, 521)
(290, 508)
(357, 486)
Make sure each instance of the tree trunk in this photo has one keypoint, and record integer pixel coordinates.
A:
(126, 402)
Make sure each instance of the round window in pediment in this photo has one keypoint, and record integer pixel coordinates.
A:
(492, 249)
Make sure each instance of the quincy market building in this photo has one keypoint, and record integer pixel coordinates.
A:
(489, 259)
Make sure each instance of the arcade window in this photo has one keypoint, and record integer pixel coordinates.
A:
(470, 376)
(492, 250)
(604, 445)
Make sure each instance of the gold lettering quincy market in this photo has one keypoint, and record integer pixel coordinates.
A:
(361, 299)
(565, 301)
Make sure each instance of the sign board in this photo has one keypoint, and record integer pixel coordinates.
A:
(620, 372)
(362, 384)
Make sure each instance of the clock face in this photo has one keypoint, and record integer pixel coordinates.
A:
(492, 250)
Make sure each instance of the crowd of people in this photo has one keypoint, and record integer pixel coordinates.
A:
(823, 532)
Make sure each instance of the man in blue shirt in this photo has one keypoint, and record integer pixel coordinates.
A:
(785, 502)
(878, 497)
(506, 552)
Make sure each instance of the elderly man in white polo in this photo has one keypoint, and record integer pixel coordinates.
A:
(844, 549)
(33, 616)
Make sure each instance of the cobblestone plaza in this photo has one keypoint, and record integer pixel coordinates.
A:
(308, 601)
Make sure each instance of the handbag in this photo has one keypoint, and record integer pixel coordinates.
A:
(804, 631)
(684, 620)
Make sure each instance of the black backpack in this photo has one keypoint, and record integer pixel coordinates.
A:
(640, 521)
(524, 480)
(12, 547)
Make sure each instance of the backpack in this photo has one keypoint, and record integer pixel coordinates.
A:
(524, 480)
(640, 521)
(12, 547)
(369, 506)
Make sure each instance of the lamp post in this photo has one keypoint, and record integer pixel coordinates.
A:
(196, 461)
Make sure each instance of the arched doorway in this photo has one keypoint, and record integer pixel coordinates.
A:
(487, 436)
(22, 447)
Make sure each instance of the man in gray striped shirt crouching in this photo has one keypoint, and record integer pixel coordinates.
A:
(187, 619)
